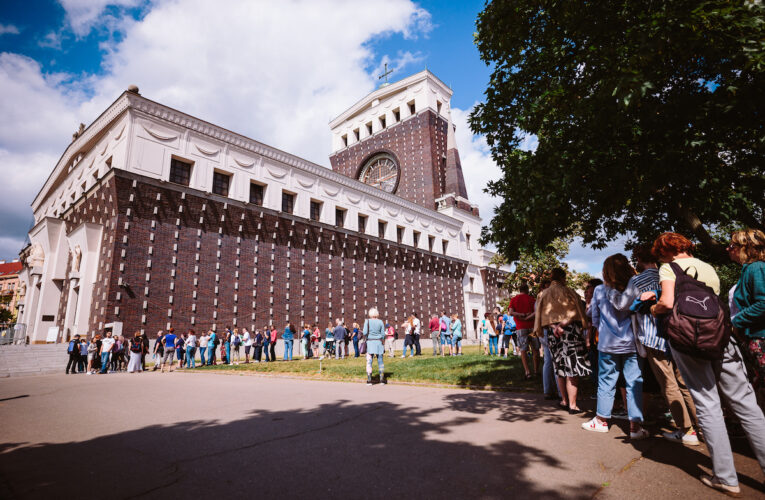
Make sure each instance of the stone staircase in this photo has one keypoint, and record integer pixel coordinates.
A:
(21, 360)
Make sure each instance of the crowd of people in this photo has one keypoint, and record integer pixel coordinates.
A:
(663, 320)
(656, 318)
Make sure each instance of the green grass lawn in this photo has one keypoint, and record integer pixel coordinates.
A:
(472, 370)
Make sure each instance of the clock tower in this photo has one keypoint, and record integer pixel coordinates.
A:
(400, 138)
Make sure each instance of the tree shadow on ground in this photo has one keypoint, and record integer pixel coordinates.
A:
(511, 407)
(337, 450)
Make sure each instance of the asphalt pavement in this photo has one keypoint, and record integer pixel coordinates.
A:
(210, 435)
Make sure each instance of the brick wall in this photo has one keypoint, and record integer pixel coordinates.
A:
(419, 145)
(492, 285)
(214, 262)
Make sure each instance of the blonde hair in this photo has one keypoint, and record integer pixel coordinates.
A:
(751, 245)
(373, 312)
(617, 271)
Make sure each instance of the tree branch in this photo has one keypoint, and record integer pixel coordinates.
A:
(695, 225)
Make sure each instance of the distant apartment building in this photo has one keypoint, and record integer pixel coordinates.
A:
(9, 286)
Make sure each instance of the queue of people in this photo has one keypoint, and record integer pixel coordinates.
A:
(663, 319)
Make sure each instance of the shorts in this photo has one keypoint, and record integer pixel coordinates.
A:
(485, 339)
(525, 338)
(446, 339)
(315, 344)
(247, 349)
(457, 342)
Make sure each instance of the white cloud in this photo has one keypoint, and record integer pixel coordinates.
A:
(83, 15)
(9, 29)
(274, 71)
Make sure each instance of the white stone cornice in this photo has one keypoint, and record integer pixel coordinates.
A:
(99, 124)
(158, 111)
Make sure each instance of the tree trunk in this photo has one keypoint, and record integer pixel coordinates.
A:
(693, 222)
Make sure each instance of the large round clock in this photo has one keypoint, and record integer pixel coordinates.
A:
(380, 171)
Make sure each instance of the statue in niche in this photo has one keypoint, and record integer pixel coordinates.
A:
(36, 256)
(76, 258)
(23, 289)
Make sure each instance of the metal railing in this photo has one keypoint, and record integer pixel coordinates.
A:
(13, 333)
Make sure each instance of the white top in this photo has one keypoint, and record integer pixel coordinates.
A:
(191, 341)
(417, 326)
(203, 340)
(107, 344)
(246, 339)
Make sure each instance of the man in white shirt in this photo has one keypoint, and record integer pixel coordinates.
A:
(107, 344)
(417, 330)
(247, 341)
(191, 350)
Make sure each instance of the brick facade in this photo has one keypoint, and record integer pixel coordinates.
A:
(492, 286)
(419, 146)
(175, 255)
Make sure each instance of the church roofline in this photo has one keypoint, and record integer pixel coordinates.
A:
(389, 89)
(137, 102)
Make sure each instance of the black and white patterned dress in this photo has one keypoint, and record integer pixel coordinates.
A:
(569, 352)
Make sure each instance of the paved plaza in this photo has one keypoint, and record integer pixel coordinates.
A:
(178, 435)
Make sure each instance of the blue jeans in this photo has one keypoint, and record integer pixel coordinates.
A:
(493, 343)
(104, 362)
(548, 371)
(609, 367)
(288, 349)
(265, 350)
(356, 347)
(190, 354)
(228, 353)
(202, 351)
(411, 346)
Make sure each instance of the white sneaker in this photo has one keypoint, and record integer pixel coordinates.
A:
(714, 483)
(595, 425)
(88, 373)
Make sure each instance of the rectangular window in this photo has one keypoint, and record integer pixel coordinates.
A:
(412, 109)
(438, 107)
(444, 245)
(382, 122)
(416, 239)
(288, 202)
(356, 134)
(362, 223)
(256, 194)
(339, 217)
(369, 128)
(472, 284)
(315, 210)
(180, 172)
(221, 182)
(431, 242)
(396, 115)
(467, 240)
(345, 140)
(399, 234)
(381, 226)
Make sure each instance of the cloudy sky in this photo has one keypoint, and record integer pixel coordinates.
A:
(273, 70)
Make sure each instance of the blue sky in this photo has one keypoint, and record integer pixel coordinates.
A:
(275, 71)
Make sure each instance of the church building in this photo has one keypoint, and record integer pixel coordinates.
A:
(154, 218)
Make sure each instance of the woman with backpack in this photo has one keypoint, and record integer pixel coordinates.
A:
(617, 352)
(236, 344)
(488, 332)
(748, 300)
(710, 368)
(136, 349)
(456, 328)
(289, 338)
(258, 343)
(305, 340)
(408, 325)
(315, 340)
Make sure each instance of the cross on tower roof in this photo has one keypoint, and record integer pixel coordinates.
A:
(385, 75)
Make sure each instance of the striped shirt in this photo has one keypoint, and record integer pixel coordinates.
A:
(645, 324)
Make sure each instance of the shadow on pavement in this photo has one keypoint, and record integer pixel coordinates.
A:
(338, 450)
(511, 407)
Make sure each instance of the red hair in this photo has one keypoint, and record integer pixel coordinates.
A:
(667, 245)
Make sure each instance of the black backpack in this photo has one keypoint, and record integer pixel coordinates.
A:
(698, 324)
